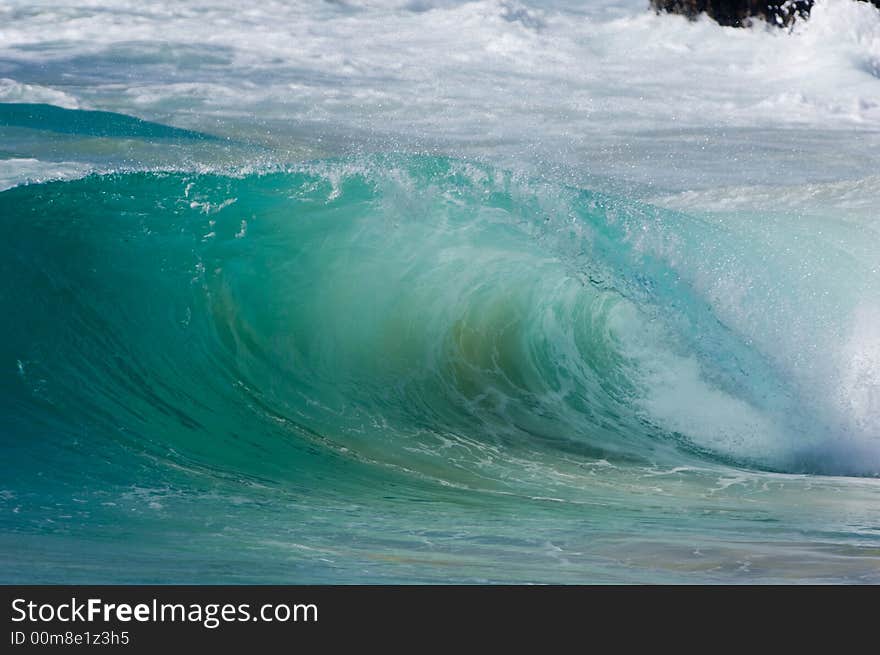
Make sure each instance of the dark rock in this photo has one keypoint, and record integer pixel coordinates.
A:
(738, 13)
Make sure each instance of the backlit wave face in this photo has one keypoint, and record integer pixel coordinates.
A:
(270, 354)
(395, 308)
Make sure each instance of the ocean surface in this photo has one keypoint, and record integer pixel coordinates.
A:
(437, 291)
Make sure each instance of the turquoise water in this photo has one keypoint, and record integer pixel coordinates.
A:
(395, 368)
(437, 291)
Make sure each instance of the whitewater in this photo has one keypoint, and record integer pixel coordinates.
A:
(438, 291)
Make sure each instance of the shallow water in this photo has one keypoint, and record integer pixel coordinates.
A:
(484, 291)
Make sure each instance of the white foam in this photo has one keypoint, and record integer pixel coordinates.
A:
(847, 201)
(677, 396)
(858, 394)
(609, 88)
(12, 91)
